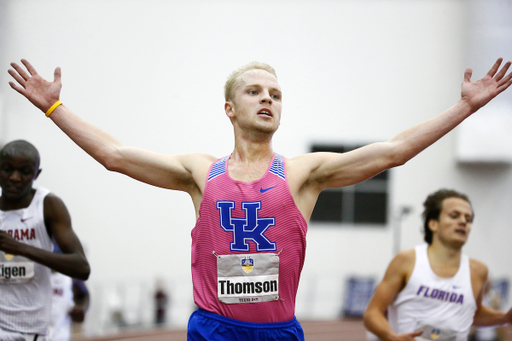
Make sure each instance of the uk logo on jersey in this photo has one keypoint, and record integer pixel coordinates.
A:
(251, 228)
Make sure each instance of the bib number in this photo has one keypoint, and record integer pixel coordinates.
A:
(250, 278)
(434, 333)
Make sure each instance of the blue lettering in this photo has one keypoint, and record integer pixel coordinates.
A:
(420, 290)
(251, 228)
(453, 297)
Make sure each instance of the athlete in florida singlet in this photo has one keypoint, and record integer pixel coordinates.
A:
(25, 299)
(442, 307)
(248, 220)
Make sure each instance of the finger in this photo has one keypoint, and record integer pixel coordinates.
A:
(29, 67)
(495, 67)
(17, 88)
(467, 74)
(17, 77)
(57, 74)
(503, 71)
(20, 71)
(504, 83)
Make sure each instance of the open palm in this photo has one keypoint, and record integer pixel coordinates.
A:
(479, 93)
(36, 89)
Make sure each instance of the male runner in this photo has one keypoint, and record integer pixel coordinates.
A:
(434, 292)
(252, 206)
(29, 219)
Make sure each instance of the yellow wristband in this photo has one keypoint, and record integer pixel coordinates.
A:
(52, 108)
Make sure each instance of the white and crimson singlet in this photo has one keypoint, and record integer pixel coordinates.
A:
(62, 304)
(256, 222)
(25, 289)
(442, 307)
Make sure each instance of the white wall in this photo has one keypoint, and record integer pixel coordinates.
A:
(151, 73)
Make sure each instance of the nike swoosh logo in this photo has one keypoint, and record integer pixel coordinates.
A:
(263, 190)
(24, 220)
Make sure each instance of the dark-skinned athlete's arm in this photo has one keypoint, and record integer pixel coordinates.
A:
(72, 262)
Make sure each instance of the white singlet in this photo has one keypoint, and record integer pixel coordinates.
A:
(25, 299)
(442, 307)
(62, 304)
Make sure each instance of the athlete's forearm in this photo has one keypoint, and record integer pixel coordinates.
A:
(412, 141)
(72, 265)
(94, 141)
(377, 324)
(487, 316)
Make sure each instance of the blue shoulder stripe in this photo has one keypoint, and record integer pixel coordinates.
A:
(277, 166)
(218, 168)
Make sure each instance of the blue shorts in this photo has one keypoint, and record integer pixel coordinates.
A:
(206, 326)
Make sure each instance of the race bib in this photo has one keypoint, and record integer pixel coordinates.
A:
(250, 278)
(16, 272)
(434, 333)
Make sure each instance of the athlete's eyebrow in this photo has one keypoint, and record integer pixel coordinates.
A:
(259, 86)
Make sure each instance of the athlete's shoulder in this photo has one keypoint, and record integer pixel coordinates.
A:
(478, 269)
(53, 204)
(403, 263)
(194, 162)
(198, 157)
(405, 258)
(302, 165)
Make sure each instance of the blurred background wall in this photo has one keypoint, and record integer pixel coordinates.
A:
(152, 72)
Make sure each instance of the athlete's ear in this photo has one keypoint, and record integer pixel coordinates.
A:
(433, 225)
(229, 108)
(37, 173)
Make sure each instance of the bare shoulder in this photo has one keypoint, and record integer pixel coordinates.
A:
(400, 268)
(55, 210)
(404, 261)
(309, 161)
(478, 269)
(196, 161)
(398, 272)
(197, 165)
(300, 168)
(52, 202)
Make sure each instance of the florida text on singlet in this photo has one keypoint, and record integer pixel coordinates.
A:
(442, 307)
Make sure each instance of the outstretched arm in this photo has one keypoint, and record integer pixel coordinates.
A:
(338, 170)
(178, 172)
(393, 282)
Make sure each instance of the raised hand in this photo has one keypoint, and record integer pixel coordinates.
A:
(36, 89)
(479, 93)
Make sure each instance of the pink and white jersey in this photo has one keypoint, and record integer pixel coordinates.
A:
(240, 220)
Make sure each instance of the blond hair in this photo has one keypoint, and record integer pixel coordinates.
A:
(233, 80)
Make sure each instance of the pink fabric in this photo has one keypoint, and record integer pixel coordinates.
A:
(288, 234)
